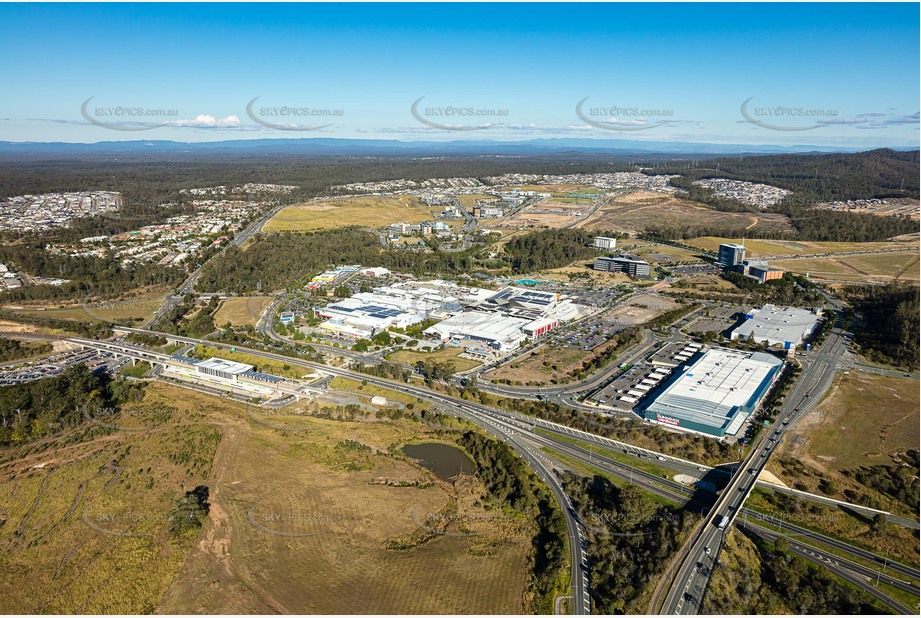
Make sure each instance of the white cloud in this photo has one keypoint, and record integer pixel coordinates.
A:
(206, 121)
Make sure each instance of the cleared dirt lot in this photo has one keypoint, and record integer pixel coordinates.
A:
(548, 213)
(641, 309)
(637, 211)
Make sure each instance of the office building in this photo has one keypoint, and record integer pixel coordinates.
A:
(625, 264)
(731, 255)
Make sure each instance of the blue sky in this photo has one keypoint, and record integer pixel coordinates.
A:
(824, 74)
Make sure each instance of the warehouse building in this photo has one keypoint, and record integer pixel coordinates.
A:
(625, 264)
(785, 326)
(502, 333)
(715, 394)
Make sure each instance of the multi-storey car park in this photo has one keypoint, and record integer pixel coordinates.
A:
(716, 393)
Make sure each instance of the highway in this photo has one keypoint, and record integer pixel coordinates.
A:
(474, 412)
(481, 414)
(813, 381)
(689, 584)
(173, 299)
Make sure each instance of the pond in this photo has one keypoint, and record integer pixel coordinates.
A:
(444, 460)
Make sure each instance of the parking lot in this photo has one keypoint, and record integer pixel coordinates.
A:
(721, 319)
(51, 366)
(644, 379)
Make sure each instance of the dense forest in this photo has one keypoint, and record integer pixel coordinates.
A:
(631, 539)
(34, 409)
(813, 178)
(759, 577)
(889, 329)
(279, 259)
(91, 277)
(510, 481)
(809, 223)
(12, 349)
(550, 249)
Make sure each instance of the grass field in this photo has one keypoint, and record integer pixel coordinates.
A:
(542, 365)
(304, 523)
(331, 519)
(241, 311)
(371, 211)
(469, 201)
(656, 254)
(826, 438)
(371, 390)
(768, 248)
(865, 420)
(85, 514)
(903, 265)
(115, 311)
(449, 355)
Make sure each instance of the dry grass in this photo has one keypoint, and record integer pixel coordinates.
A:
(768, 248)
(241, 311)
(305, 527)
(826, 438)
(875, 267)
(115, 311)
(371, 211)
(269, 490)
(639, 210)
(540, 366)
(86, 528)
(446, 355)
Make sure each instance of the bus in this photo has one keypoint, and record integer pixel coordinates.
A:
(723, 522)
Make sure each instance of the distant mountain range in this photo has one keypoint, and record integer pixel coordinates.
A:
(337, 146)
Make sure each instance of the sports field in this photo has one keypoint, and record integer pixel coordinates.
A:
(369, 211)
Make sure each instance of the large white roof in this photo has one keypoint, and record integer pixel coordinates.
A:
(777, 325)
(227, 366)
(719, 383)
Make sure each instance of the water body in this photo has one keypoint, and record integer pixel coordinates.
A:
(444, 460)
